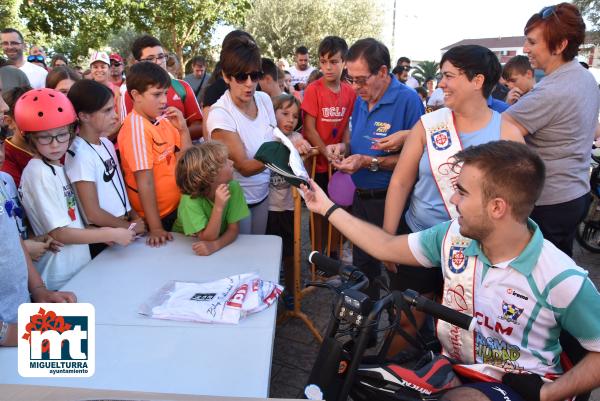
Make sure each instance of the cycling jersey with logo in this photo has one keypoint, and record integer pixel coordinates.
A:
(520, 305)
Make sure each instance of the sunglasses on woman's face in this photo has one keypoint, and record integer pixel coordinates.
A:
(39, 58)
(242, 77)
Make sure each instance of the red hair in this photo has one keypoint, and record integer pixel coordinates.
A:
(565, 22)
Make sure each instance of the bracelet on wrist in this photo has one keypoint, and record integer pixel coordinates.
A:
(329, 211)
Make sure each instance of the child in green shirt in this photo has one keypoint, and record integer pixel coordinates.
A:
(212, 203)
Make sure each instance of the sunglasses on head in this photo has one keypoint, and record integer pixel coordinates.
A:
(547, 12)
(38, 58)
(242, 77)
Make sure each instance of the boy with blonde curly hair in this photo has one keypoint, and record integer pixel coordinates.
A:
(212, 203)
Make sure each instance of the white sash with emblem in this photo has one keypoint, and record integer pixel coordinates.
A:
(443, 143)
(459, 288)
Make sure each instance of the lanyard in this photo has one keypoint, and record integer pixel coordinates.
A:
(108, 176)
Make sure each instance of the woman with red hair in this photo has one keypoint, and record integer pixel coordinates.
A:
(558, 118)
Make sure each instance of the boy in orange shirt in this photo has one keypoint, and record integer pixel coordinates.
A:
(150, 142)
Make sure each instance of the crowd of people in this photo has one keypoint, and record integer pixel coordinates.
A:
(485, 184)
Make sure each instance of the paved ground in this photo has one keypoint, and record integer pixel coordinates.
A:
(295, 347)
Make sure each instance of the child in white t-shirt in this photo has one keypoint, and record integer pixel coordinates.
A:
(92, 165)
(281, 204)
(46, 118)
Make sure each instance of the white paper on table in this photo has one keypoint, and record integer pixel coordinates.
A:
(296, 163)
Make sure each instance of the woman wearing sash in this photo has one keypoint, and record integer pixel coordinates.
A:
(469, 74)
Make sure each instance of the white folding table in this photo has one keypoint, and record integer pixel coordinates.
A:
(137, 353)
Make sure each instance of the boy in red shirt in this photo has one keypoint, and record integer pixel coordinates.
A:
(180, 94)
(327, 106)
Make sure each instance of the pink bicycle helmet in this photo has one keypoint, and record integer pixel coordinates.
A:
(43, 109)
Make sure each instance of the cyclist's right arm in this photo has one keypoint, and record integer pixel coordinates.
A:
(370, 238)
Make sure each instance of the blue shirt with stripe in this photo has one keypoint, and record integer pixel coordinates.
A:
(398, 109)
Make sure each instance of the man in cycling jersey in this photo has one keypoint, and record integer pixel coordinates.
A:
(498, 268)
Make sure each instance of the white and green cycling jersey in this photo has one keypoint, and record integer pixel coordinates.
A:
(520, 305)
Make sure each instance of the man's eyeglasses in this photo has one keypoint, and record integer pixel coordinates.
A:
(47, 139)
(404, 68)
(242, 77)
(115, 64)
(360, 81)
(155, 59)
(39, 58)
(11, 43)
(547, 12)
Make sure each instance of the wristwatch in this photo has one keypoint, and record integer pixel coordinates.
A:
(374, 167)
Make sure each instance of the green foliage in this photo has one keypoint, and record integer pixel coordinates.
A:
(590, 9)
(281, 26)
(75, 27)
(185, 27)
(426, 70)
(9, 14)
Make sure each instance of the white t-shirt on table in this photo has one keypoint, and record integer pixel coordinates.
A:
(99, 164)
(253, 133)
(35, 74)
(49, 202)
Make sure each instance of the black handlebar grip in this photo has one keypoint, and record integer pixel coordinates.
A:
(444, 313)
(330, 266)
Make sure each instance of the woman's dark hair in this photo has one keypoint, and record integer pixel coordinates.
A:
(240, 54)
(473, 60)
(237, 33)
(61, 73)
(372, 51)
(216, 73)
(58, 56)
(88, 96)
(560, 22)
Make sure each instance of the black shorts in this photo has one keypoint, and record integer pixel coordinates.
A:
(322, 180)
(496, 391)
(282, 225)
(168, 220)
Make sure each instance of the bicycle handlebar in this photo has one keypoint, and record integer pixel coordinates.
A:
(334, 267)
(439, 311)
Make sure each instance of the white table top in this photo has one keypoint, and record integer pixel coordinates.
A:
(141, 271)
(137, 353)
